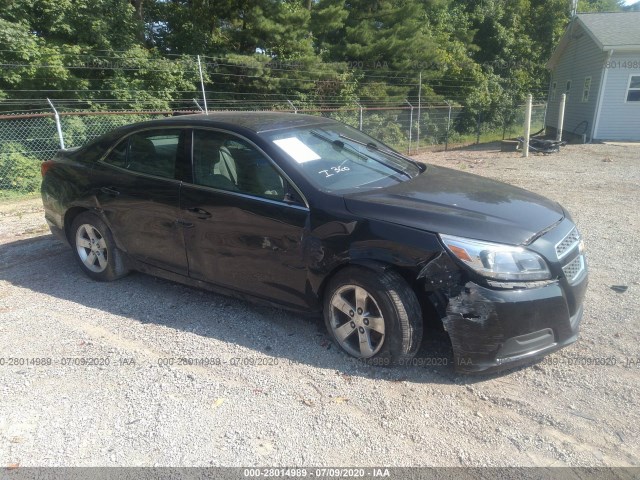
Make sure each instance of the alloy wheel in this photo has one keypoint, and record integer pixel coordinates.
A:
(357, 321)
(92, 248)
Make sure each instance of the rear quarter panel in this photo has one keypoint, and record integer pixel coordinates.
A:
(66, 185)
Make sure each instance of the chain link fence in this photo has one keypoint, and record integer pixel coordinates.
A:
(27, 140)
(24, 142)
(413, 130)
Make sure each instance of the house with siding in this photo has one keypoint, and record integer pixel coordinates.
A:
(632, 8)
(597, 65)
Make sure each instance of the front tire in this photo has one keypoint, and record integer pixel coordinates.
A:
(95, 250)
(373, 315)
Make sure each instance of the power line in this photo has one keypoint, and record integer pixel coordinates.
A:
(124, 68)
(351, 66)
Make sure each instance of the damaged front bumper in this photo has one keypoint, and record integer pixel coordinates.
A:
(495, 325)
(495, 329)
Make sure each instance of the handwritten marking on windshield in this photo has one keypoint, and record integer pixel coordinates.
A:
(334, 170)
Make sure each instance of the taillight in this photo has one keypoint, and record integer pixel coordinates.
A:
(45, 166)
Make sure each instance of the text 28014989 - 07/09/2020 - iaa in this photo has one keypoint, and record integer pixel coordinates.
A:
(310, 214)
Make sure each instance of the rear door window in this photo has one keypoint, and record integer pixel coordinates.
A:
(153, 152)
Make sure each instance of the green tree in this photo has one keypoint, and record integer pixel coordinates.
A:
(487, 54)
(600, 5)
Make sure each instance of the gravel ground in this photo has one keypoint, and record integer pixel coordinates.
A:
(282, 395)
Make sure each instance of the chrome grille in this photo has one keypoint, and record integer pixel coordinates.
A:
(567, 243)
(574, 268)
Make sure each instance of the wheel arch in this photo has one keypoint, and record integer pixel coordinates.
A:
(69, 216)
(399, 298)
(378, 266)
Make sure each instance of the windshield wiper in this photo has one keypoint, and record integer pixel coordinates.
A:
(338, 143)
(342, 145)
(386, 152)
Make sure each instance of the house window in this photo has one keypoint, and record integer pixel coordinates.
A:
(553, 90)
(633, 92)
(568, 89)
(586, 89)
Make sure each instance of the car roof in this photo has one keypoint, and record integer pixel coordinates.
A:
(256, 121)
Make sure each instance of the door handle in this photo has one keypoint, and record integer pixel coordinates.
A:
(110, 191)
(184, 223)
(199, 212)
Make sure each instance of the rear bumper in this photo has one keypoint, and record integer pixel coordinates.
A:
(58, 232)
(491, 330)
(53, 215)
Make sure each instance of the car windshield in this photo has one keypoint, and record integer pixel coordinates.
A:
(338, 158)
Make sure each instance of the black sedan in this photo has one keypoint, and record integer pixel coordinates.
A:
(310, 214)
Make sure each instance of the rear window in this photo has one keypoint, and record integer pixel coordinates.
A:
(153, 152)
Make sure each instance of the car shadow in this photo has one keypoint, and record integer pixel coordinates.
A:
(43, 264)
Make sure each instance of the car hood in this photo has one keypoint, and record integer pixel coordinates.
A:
(442, 200)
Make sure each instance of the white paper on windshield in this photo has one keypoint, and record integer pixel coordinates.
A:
(296, 149)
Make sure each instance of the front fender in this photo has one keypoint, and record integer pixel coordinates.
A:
(371, 244)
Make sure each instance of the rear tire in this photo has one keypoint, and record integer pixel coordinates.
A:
(95, 250)
(373, 316)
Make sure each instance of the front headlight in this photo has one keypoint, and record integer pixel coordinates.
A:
(500, 262)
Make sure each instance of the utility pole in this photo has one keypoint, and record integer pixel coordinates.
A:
(419, 112)
(410, 123)
(563, 102)
(56, 117)
(446, 140)
(204, 97)
(527, 126)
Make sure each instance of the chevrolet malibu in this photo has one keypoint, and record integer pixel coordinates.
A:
(310, 214)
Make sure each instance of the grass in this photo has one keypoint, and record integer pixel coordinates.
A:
(9, 195)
